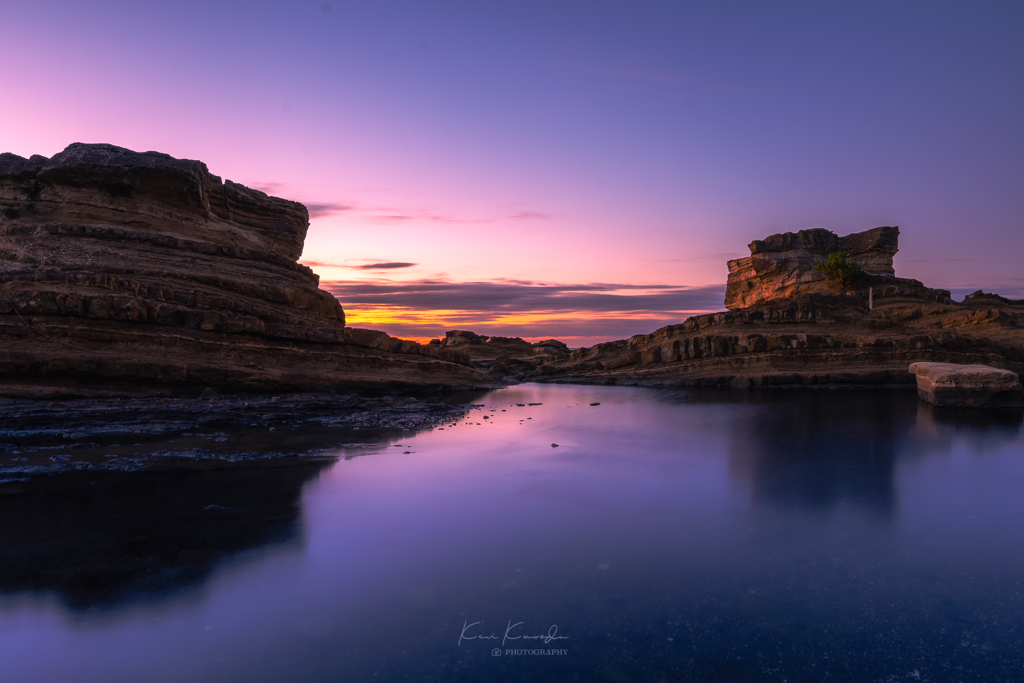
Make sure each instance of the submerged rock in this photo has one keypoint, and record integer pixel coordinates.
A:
(971, 386)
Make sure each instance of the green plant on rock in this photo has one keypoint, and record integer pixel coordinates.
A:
(841, 270)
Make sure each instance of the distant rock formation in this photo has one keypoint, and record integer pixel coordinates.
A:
(784, 265)
(789, 326)
(120, 268)
(510, 359)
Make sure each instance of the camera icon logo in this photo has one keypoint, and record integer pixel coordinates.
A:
(496, 652)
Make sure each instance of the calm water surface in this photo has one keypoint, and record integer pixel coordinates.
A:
(670, 536)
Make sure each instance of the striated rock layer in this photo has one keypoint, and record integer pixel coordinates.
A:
(123, 269)
(784, 265)
(801, 330)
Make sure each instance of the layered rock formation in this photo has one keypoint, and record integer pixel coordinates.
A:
(479, 347)
(783, 265)
(802, 330)
(126, 269)
(511, 359)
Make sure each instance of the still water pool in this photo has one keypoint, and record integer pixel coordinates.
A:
(669, 536)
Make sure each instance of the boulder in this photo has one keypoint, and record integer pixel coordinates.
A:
(967, 386)
(373, 339)
(461, 337)
(551, 348)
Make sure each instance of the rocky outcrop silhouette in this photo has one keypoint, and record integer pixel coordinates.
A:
(125, 269)
(790, 325)
(510, 359)
(783, 265)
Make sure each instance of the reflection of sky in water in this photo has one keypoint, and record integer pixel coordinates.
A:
(689, 535)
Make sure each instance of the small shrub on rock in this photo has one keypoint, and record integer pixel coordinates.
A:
(841, 270)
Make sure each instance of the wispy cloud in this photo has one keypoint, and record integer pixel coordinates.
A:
(519, 295)
(321, 209)
(378, 213)
(273, 189)
(386, 265)
(582, 314)
(1011, 288)
(371, 265)
(317, 209)
(529, 216)
(385, 215)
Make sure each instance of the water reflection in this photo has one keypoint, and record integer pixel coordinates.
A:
(693, 536)
(981, 429)
(818, 450)
(96, 541)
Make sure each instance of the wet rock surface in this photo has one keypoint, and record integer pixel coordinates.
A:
(42, 438)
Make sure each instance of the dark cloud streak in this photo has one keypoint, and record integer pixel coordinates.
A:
(376, 265)
(509, 296)
(386, 265)
(321, 209)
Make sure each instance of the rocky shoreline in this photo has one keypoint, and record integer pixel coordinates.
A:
(789, 325)
(121, 269)
(146, 302)
(42, 438)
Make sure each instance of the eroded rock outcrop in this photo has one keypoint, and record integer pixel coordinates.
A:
(784, 264)
(125, 268)
(510, 359)
(802, 330)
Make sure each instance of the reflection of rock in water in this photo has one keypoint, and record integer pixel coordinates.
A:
(818, 449)
(979, 429)
(1004, 422)
(142, 535)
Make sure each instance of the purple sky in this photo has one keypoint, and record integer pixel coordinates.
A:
(581, 169)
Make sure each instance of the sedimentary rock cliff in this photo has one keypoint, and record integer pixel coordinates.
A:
(790, 326)
(120, 268)
(783, 265)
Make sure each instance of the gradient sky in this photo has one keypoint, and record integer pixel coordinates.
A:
(572, 169)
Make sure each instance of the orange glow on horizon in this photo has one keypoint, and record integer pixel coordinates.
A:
(384, 317)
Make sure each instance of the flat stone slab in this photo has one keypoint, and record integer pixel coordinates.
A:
(971, 386)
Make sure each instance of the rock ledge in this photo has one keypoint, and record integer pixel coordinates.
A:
(970, 386)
